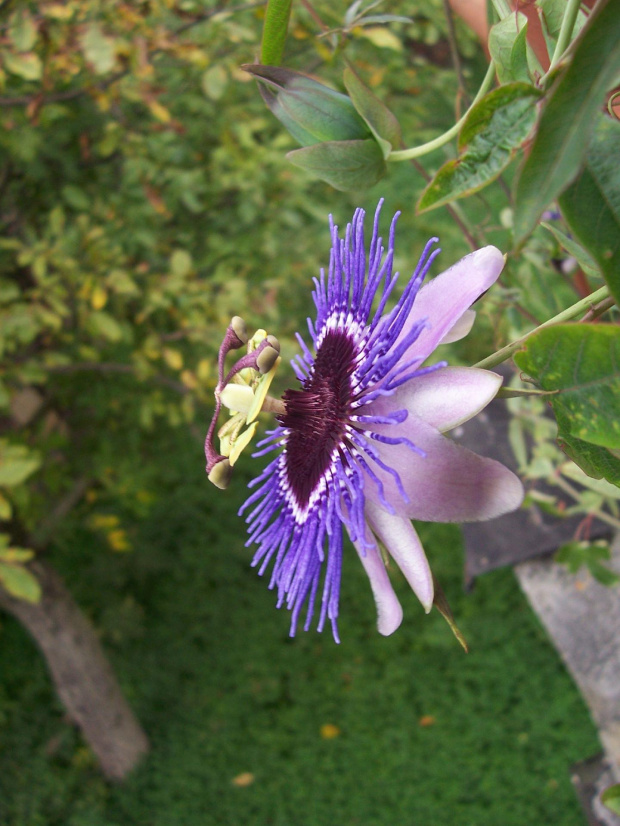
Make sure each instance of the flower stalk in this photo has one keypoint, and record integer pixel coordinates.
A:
(584, 305)
(437, 143)
(564, 37)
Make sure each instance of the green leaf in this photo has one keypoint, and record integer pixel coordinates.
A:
(181, 263)
(19, 582)
(596, 461)
(98, 49)
(22, 30)
(17, 463)
(16, 555)
(493, 132)
(103, 324)
(214, 81)
(275, 28)
(603, 574)
(582, 256)
(26, 64)
(582, 363)
(591, 205)
(346, 165)
(593, 555)
(611, 798)
(568, 117)
(381, 122)
(553, 12)
(311, 112)
(508, 47)
(5, 509)
(76, 197)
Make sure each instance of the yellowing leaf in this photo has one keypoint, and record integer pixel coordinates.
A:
(5, 508)
(102, 521)
(16, 555)
(381, 37)
(17, 463)
(19, 582)
(99, 298)
(98, 49)
(173, 358)
(244, 779)
(159, 111)
(204, 370)
(59, 11)
(27, 65)
(329, 731)
(118, 540)
(189, 379)
(181, 263)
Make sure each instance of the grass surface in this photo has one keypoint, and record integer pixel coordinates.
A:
(426, 735)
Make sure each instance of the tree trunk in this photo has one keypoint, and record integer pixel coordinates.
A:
(81, 673)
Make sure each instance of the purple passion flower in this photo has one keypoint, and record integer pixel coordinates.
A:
(360, 444)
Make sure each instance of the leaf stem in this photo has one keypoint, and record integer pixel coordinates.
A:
(502, 7)
(566, 30)
(436, 143)
(566, 315)
(575, 494)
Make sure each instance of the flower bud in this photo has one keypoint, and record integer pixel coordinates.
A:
(311, 112)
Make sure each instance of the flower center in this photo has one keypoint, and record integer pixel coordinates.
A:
(316, 416)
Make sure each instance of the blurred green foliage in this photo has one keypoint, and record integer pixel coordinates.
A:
(141, 206)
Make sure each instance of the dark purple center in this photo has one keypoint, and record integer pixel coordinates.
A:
(317, 414)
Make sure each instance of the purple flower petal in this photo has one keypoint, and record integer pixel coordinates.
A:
(445, 398)
(405, 548)
(389, 611)
(461, 328)
(444, 300)
(448, 484)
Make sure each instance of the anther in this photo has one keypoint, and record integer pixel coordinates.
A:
(261, 359)
(268, 356)
(237, 325)
(221, 474)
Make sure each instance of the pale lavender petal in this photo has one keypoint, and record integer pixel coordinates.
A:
(405, 548)
(389, 611)
(461, 328)
(445, 398)
(449, 483)
(443, 300)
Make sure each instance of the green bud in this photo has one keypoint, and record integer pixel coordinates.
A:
(312, 113)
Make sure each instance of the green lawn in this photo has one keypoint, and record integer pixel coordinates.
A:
(207, 664)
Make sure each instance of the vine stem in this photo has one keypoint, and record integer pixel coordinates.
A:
(566, 315)
(575, 494)
(566, 30)
(436, 143)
